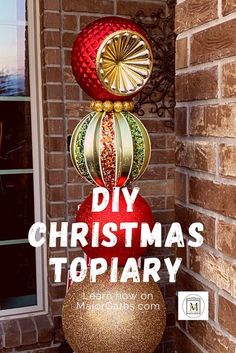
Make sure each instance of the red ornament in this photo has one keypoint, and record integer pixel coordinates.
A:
(141, 214)
(84, 55)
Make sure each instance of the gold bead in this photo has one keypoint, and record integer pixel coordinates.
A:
(107, 106)
(92, 105)
(118, 106)
(131, 106)
(98, 106)
(128, 106)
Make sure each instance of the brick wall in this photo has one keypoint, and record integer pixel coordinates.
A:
(206, 165)
(64, 105)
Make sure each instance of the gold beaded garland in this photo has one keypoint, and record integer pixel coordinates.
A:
(108, 106)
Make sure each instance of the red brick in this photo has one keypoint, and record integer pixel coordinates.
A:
(28, 331)
(52, 74)
(164, 217)
(97, 6)
(156, 203)
(53, 110)
(186, 282)
(187, 216)
(56, 194)
(196, 155)
(181, 58)
(67, 57)
(192, 13)
(163, 157)
(54, 92)
(85, 20)
(229, 79)
(214, 43)
(181, 121)
(55, 177)
(72, 92)
(75, 110)
(210, 338)
(197, 85)
(129, 8)
(51, 5)
(228, 6)
(170, 172)
(54, 126)
(44, 327)
(217, 197)
(55, 144)
(51, 20)
(68, 39)
(180, 186)
(217, 120)
(165, 187)
(56, 307)
(12, 334)
(183, 341)
(170, 141)
(154, 172)
(227, 314)
(228, 158)
(56, 210)
(68, 76)
(157, 141)
(57, 291)
(214, 268)
(55, 160)
(73, 176)
(226, 235)
(159, 126)
(170, 202)
(74, 192)
(70, 23)
(52, 38)
(51, 56)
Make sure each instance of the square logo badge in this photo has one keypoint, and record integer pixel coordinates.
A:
(193, 305)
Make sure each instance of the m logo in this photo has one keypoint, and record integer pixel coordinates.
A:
(193, 305)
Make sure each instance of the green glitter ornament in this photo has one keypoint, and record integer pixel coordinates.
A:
(110, 149)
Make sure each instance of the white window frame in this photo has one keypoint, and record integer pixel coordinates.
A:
(38, 164)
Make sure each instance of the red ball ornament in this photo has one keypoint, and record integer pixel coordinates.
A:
(141, 214)
(112, 59)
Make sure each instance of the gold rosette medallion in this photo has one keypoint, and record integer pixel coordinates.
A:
(124, 62)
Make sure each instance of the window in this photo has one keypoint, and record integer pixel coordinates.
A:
(21, 161)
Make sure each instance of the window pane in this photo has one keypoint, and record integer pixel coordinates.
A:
(16, 205)
(14, 75)
(15, 135)
(12, 10)
(17, 277)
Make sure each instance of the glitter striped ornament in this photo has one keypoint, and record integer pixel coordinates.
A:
(110, 149)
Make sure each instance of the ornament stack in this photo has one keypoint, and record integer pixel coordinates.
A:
(112, 61)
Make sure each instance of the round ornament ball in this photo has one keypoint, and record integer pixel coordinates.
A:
(110, 149)
(112, 59)
(110, 317)
(141, 213)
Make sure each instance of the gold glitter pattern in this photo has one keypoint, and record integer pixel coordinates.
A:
(108, 152)
(116, 330)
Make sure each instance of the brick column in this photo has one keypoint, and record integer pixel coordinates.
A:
(206, 165)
